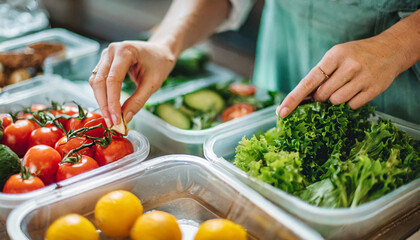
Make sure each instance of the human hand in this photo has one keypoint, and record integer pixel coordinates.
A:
(148, 65)
(353, 73)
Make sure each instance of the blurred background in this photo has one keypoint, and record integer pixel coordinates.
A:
(110, 20)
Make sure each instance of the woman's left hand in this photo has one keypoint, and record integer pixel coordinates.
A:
(353, 73)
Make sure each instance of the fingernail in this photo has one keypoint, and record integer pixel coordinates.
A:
(115, 119)
(108, 122)
(278, 110)
(284, 112)
(128, 117)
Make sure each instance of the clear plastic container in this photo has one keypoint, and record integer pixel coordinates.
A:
(192, 189)
(170, 139)
(80, 58)
(351, 223)
(43, 89)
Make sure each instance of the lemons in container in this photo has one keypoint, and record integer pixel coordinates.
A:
(156, 225)
(216, 229)
(70, 227)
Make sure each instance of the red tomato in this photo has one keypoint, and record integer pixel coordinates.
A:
(63, 146)
(45, 136)
(68, 170)
(15, 184)
(68, 110)
(38, 107)
(118, 148)
(16, 136)
(242, 89)
(5, 119)
(25, 115)
(91, 120)
(42, 160)
(236, 111)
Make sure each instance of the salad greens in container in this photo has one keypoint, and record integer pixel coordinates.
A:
(345, 172)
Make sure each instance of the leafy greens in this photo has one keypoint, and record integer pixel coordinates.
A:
(331, 156)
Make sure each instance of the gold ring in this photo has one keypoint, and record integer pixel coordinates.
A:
(345, 80)
(95, 70)
(326, 75)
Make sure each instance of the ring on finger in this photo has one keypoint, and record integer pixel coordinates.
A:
(323, 73)
(345, 80)
(95, 70)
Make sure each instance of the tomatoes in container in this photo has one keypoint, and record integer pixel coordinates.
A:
(45, 136)
(63, 146)
(16, 136)
(16, 184)
(92, 119)
(67, 170)
(5, 119)
(236, 111)
(42, 161)
(117, 149)
(242, 89)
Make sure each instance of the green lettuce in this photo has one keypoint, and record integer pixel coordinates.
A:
(331, 156)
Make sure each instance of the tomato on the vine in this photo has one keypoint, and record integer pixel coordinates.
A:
(5, 119)
(68, 110)
(45, 136)
(67, 170)
(236, 111)
(242, 89)
(15, 184)
(38, 107)
(42, 160)
(117, 149)
(92, 119)
(16, 136)
(63, 146)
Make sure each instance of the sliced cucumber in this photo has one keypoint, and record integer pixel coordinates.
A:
(205, 100)
(173, 116)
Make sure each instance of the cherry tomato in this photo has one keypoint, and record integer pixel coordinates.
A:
(42, 160)
(68, 110)
(91, 120)
(38, 107)
(45, 135)
(242, 89)
(15, 184)
(16, 136)
(5, 119)
(117, 149)
(236, 111)
(63, 146)
(25, 115)
(68, 170)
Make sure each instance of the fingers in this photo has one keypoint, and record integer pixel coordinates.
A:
(98, 84)
(309, 83)
(347, 92)
(361, 99)
(341, 76)
(135, 103)
(120, 66)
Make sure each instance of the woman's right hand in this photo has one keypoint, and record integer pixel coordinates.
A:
(148, 65)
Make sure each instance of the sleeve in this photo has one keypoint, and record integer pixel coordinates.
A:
(237, 16)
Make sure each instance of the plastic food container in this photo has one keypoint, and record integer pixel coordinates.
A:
(80, 58)
(354, 223)
(170, 139)
(193, 190)
(43, 89)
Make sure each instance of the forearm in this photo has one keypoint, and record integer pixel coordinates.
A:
(404, 39)
(188, 22)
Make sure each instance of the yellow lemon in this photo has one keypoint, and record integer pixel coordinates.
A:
(116, 212)
(216, 229)
(70, 227)
(156, 225)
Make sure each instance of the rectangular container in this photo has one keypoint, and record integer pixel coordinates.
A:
(341, 223)
(170, 139)
(80, 58)
(43, 89)
(192, 189)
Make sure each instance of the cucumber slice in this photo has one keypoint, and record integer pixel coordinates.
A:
(205, 100)
(173, 116)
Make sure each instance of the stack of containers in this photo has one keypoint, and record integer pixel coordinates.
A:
(44, 89)
(80, 58)
(350, 223)
(193, 190)
(170, 139)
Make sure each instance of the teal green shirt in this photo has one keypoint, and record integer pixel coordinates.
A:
(295, 34)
